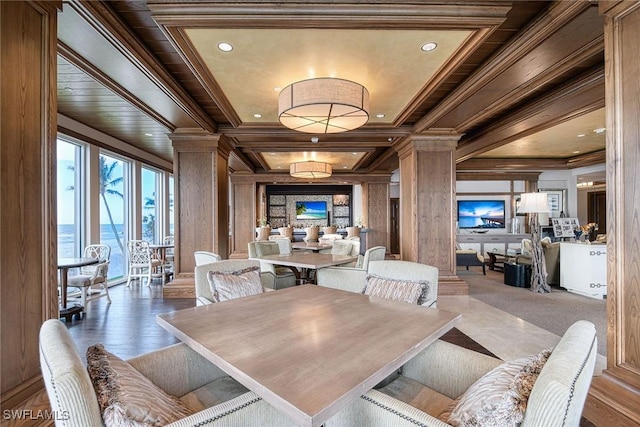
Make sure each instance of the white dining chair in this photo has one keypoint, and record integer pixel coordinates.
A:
(141, 261)
(92, 280)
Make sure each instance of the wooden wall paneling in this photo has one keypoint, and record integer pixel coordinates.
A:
(427, 164)
(243, 208)
(28, 249)
(614, 395)
(375, 200)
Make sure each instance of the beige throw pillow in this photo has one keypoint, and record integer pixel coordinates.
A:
(126, 397)
(228, 285)
(399, 290)
(500, 397)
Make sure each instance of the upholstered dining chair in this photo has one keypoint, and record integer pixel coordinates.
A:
(274, 277)
(172, 386)
(204, 294)
(204, 257)
(448, 385)
(142, 263)
(350, 276)
(92, 280)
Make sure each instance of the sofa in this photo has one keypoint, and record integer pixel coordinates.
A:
(425, 393)
(551, 252)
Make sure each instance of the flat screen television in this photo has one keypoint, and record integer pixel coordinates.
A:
(481, 214)
(311, 210)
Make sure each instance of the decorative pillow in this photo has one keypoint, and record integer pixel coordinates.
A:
(500, 397)
(341, 248)
(398, 290)
(526, 247)
(226, 285)
(264, 248)
(126, 397)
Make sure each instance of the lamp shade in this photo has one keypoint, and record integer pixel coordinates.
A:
(310, 169)
(534, 203)
(323, 105)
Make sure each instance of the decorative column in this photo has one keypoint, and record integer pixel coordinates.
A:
(243, 213)
(427, 200)
(28, 232)
(201, 200)
(614, 395)
(375, 201)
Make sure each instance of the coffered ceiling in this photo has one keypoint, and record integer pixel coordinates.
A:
(519, 81)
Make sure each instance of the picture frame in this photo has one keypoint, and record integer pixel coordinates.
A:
(555, 197)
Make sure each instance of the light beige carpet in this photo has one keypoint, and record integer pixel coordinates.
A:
(555, 311)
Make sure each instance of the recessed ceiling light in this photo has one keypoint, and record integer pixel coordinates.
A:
(257, 116)
(428, 47)
(380, 115)
(344, 167)
(225, 47)
(580, 135)
(599, 130)
(277, 89)
(148, 134)
(576, 152)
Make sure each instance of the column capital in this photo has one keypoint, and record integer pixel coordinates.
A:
(442, 140)
(196, 139)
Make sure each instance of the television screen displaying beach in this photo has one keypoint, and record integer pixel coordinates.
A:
(311, 210)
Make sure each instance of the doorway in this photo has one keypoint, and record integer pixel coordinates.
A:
(597, 208)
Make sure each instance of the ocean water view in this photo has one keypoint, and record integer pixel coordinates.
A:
(67, 246)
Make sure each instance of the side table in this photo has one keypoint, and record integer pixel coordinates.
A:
(518, 275)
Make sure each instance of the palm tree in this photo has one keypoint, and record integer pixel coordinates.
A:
(107, 184)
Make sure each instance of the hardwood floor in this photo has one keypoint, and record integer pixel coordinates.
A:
(127, 327)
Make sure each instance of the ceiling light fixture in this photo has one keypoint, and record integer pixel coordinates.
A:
(428, 47)
(323, 105)
(225, 47)
(310, 169)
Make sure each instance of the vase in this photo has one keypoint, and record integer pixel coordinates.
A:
(329, 230)
(353, 232)
(263, 233)
(286, 232)
(312, 234)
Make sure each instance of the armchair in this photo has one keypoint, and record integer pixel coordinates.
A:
(93, 277)
(551, 258)
(350, 278)
(424, 394)
(204, 257)
(213, 398)
(203, 289)
(272, 276)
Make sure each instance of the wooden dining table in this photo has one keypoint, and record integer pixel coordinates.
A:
(303, 262)
(309, 350)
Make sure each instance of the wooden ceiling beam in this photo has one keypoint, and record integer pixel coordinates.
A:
(493, 164)
(580, 96)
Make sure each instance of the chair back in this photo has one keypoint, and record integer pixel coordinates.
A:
(408, 270)
(559, 393)
(376, 253)
(261, 248)
(102, 253)
(71, 394)
(204, 257)
(203, 289)
(139, 253)
(284, 244)
(345, 247)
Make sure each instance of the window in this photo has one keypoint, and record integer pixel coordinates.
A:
(171, 215)
(149, 205)
(113, 214)
(69, 191)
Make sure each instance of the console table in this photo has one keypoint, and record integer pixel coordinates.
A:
(491, 242)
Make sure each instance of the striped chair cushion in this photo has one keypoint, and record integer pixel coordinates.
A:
(500, 397)
(227, 285)
(413, 292)
(125, 396)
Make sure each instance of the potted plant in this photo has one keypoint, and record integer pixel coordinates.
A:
(263, 231)
(286, 231)
(355, 231)
(330, 229)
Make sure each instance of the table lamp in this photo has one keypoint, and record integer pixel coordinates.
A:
(534, 204)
